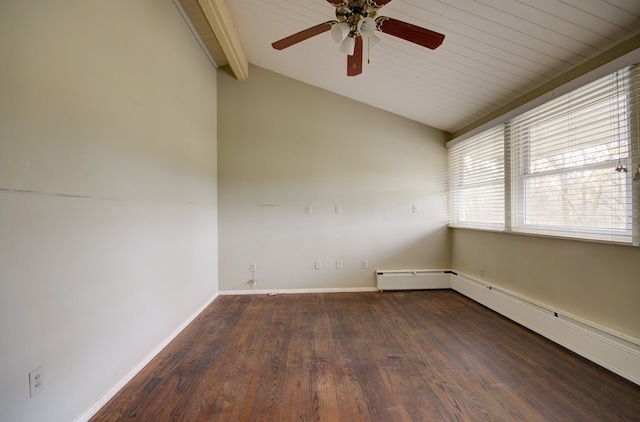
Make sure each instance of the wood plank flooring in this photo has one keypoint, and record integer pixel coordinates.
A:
(393, 356)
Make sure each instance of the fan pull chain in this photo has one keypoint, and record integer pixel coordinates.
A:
(368, 55)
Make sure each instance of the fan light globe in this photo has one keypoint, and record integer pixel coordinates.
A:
(340, 31)
(348, 46)
(367, 29)
(372, 40)
(366, 26)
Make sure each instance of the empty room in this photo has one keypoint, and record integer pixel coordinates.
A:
(276, 210)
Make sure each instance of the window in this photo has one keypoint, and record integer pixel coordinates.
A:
(564, 155)
(477, 181)
(567, 166)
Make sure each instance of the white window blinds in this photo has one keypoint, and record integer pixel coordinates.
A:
(565, 168)
(476, 169)
(571, 163)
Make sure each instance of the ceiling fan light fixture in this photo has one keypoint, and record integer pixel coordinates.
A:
(367, 27)
(348, 46)
(340, 31)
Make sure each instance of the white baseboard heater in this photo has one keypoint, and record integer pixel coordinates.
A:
(613, 350)
(413, 279)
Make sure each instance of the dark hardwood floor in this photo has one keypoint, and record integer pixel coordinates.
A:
(393, 356)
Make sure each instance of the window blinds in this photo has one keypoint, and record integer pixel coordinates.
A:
(571, 163)
(565, 168)
(476, 169)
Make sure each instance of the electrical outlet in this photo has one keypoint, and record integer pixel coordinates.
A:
(338, 264)
(365, 264)
(338, 209)
(252, 267)
(35, 381)
(308, 209)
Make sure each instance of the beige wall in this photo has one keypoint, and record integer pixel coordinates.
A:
(108, 236)
(598, 282)
(282, 145)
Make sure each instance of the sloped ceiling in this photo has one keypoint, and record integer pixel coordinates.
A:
(495, 51)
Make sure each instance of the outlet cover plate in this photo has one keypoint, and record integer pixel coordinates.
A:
(35, 381)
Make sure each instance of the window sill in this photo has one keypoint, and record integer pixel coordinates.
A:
(545, 236)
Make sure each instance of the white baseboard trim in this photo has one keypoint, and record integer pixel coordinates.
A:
(614, 351)
(89, 413)
(298, 291)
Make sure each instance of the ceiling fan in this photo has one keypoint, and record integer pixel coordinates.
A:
(357, 21)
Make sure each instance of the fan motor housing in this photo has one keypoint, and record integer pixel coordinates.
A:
(353, 11)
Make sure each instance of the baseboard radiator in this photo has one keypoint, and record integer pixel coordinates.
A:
(615, 351)
(413, 279)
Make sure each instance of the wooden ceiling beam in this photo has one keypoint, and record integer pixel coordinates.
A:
(219, 18)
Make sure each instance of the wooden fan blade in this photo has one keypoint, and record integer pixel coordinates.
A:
(336, 2)
(410, 32)
(302, 35)
(354, 63)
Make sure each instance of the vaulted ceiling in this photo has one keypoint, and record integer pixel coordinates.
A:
(495, 51)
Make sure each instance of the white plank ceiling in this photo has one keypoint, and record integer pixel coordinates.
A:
(494, 51)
